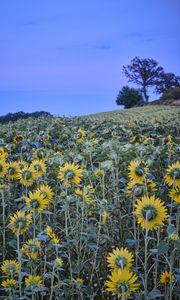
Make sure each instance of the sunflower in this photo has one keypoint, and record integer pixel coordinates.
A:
(26, 176)
(20, 221)
(175, 194)
(172, 176)
(70, 173)
(33, 281)
(122, 282)
(137, 171)
(3, 154)
(41, 154)
(98, 173)
(10, 267)
(9, 283)
(46, 191)
(13, 170)
(166, 277)
(18, 139)
(36, 201)
(104, 216)
(168, 140)
(59, 262)
(52, 236)
(120, 259)
(140, 189)
(80, 136)
(31, 249)
(148, 141)
(3, 167)
(83, 195)
(151, 209)
(22, 164)
(38, 167)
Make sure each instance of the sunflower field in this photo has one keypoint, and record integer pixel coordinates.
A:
(90, 206)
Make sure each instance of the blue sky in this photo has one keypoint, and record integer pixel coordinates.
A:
(66, 56)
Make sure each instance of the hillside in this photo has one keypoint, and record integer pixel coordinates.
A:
(90, 206)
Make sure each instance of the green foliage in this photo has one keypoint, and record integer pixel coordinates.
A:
(171, 94)
(167, 81)
(129, 97)
(12, 117)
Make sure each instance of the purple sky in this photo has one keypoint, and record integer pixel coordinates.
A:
(66, 56)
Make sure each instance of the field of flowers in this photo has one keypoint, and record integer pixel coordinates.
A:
(90, 206)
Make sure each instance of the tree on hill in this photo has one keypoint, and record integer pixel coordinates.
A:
(129, 97)
(167, 81)
(143, 72)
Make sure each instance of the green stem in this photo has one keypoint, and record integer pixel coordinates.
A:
(4, 224)
(19, 260)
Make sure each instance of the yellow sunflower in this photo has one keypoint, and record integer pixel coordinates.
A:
(52, 236)
(120, 259)
(38, 167)
(3, 168)
(22, 164)
(137, 171)
(98, 173)
(70, 173)
(166, 277)
(122, 282)
(46, 191)
(31, 249)
(104, 216)
(18, 139)
(172, 176)
(10, 267)
(148, 141)
(36, 201)
(26, 176)
(83, 194)
(168, 140)
(151, 209)
(80, 136)
(33, 281)
(3, 154)
(9, 283)
(13, 170)
(140, 189)
(175, 194)
(20, 221)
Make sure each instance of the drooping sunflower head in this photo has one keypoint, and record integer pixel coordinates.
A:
(33, 282)
(3, 154)
(38, 167)
(31, 249)
(13, 170)
(20, 221)
(70, 173)
(18, 139)
(9, 283)
(80, 136)
(54, 239)
(139, 190)
(10, 267)
(46, 191)
(172, 176)
(175, 194)
(166, 277)
(26, 176)
(83, 194)
(36, 201)
(41, 154)
(98, 173)
(137, 171)
(3, 167)
(122, 282)
(150, 212)
(120, 259)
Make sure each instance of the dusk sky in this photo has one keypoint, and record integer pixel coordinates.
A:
(66, 56)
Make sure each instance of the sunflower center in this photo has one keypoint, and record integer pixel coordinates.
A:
(138, 191)
(40, 154)
(139, 171)
(176, 173)
(11, 267)
(78, 135)
(149, 212)
(123, 286)
(11, 171)
(21, 223)
(35, 203)
(69, 174)
(121, 261)
(37, 167)
(27, 175)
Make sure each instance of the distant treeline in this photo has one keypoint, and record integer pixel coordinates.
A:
(22, 115)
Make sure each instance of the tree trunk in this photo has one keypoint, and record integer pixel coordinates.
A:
(146, 97)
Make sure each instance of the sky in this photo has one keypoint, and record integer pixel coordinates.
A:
(66, 56)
